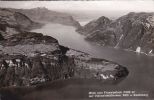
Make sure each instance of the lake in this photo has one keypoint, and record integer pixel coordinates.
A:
(140, 66)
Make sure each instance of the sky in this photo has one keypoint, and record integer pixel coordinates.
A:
(87, 10)
(112, 5)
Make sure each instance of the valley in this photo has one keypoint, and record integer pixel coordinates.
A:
(49, 58)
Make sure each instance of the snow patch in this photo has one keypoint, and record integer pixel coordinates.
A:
(104, 76)
(18, 60)
(138, 49)
(150, 51)
(119, 41)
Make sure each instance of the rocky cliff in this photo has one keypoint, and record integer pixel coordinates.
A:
(87, 67)
(31, 58)
(31, 63)
(44, 15)
(131, 31)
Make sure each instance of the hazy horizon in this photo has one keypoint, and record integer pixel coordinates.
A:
(88, 9)
(112, 5)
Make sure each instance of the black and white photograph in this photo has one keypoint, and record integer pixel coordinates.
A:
(77, 50)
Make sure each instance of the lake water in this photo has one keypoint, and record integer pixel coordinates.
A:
(141, 67)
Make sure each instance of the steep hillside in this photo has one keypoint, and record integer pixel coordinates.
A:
(131, 31)
(31, 58)
(92, 26)
(12, 22)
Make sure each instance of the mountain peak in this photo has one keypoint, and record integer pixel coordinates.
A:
(135, 29)
(41, 8)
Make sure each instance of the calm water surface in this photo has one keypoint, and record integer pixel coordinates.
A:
(141, 67)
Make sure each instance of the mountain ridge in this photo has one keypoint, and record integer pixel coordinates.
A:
(42, 14)
(130, 31)
(13, 22)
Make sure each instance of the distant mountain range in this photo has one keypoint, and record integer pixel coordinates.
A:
(131, 31)
(42, 14)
